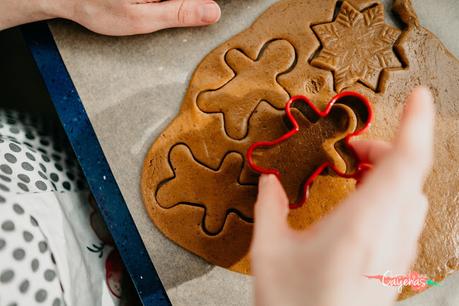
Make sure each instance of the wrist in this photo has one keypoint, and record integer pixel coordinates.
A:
(49, 9)
(17, 12)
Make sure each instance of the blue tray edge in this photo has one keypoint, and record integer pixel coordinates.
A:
(100, 179)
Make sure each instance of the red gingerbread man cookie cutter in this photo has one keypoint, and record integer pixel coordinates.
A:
(361, 167)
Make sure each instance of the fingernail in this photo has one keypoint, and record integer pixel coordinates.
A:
(210, 13)
(262, 180)
(424, 89)
(266, 179)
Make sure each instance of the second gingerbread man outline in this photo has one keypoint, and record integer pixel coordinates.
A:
(254, 81)
(177, 190)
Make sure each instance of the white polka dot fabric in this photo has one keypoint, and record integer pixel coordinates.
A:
(30, 278)
(31, 160)
(46, 232)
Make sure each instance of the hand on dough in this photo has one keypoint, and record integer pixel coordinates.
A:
(374, 230)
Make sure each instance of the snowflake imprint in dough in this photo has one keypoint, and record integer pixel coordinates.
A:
(357, 46)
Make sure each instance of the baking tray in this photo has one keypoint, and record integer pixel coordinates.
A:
(85, 53)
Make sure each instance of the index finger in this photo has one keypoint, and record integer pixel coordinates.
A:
(385, 212)
(415, 139)
(402, 171)
(398, 177)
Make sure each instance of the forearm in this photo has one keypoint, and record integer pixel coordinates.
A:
(16, 12)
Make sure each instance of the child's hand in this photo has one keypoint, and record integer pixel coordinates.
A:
(125, 17)
(113, 17)
(373, 231)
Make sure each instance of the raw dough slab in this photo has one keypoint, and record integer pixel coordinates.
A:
(132, 87)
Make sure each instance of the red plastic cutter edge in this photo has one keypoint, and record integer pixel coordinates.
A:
(361, 166)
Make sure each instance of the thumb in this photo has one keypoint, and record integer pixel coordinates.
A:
(183, 13)
(271, 209)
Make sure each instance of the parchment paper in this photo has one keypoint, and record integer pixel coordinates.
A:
(132, 87)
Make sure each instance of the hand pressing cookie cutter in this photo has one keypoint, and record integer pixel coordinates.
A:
(361, 166)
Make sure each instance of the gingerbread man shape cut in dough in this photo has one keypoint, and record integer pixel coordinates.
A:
(207, 194)
(253, 82)
(317, 141)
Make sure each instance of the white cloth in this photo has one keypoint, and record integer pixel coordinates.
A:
(63, 220)
(53, 248)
